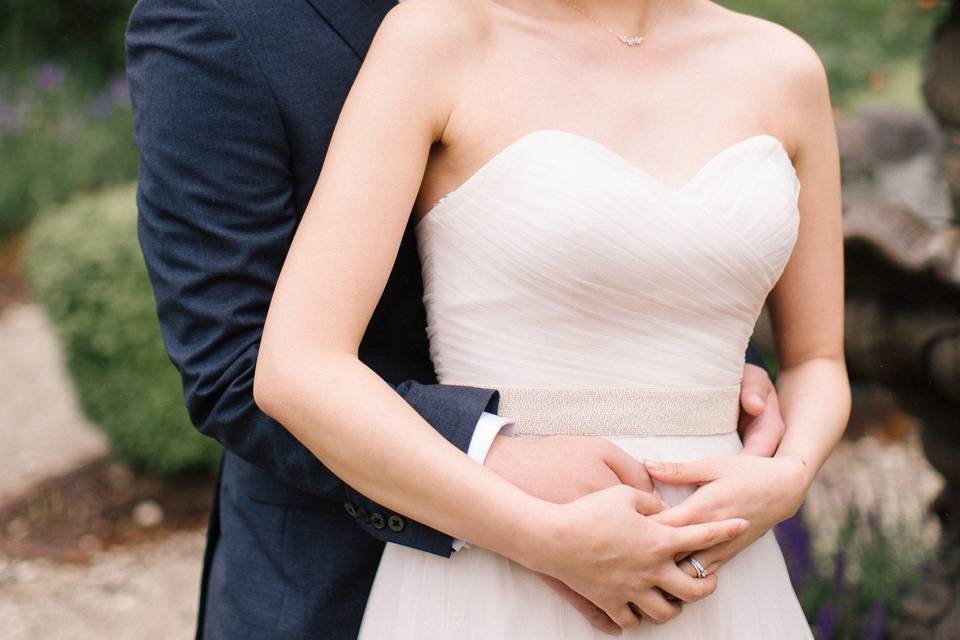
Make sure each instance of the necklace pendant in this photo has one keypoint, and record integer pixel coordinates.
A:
(631, 41)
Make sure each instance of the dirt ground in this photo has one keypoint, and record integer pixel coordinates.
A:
(146, 591)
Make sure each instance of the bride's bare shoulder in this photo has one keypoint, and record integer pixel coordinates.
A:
(435, 27)
(783, 67)
(776, 52)
(766, 41)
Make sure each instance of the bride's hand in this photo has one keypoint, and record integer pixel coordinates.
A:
(763, 491)
(561, 469)
(602, 547)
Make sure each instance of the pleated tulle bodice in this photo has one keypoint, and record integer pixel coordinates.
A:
(560, 263)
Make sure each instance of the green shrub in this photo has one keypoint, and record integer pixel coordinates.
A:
(58, 136)
(84, 265)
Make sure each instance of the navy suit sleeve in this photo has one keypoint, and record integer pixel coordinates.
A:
(216, 217)
(753, 356)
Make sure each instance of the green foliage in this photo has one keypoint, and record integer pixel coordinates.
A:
(84, 265)
(86, 33)
(58, 137)
(855, 38)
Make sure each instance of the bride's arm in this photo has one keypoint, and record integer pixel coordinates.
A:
(807, 308)
(807, 304)
(308, 375)
(310, 379)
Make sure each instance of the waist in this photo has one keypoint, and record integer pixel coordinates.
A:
(616, 411)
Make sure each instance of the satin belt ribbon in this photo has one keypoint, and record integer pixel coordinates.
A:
(615, 411)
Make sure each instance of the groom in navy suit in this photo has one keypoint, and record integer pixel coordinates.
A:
(234, 104)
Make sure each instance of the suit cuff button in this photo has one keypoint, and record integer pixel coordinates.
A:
(396, 523)
(351, 509)
(377, 520)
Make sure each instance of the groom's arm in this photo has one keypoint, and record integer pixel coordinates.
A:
(216, 217)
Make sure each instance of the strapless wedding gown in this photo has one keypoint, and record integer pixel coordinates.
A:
(560, 265)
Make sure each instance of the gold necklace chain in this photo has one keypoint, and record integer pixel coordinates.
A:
(630, 41)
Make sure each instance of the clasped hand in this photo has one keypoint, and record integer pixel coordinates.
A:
(763, 491)
(565, 469)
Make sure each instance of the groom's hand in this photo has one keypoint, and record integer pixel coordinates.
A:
(594, 614)
(761, 425)
(561, 469)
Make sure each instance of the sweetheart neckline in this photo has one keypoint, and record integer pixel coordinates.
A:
(685, 186)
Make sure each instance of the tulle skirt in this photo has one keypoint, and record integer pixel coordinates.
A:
(479, 595)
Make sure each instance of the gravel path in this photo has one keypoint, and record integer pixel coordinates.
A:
(42, 432)
(134, 593)
(147, 591)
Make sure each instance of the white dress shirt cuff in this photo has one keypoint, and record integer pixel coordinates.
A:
(489, 426)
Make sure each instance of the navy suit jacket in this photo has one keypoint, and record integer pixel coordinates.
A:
(234, 105)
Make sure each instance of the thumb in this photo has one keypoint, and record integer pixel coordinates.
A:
(753, 403)
(755, 389)
(648, 504)
(697, 472)
(628, 469)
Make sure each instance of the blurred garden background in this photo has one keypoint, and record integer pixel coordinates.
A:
(104, 484)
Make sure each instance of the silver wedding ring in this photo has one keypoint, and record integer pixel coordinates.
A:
(700, 569)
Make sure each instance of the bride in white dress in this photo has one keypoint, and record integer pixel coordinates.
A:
(599, 224)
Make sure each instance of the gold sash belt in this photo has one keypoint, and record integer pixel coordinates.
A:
(618, 411)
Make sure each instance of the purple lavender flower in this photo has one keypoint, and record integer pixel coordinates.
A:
(50, 77)
(875, 624)
(839, 571)
(825, 624)
(794, 538)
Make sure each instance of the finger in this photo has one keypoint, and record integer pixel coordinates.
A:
(693, 510)
(648, 504)
(696, 472)
(755, 387)
(597, 618)
(707, 503)
(624, 617)
(656, 607)
(716, 556)
(703, 536)
(762, 435)
(630, 470)
(687, 568)
(676, 581)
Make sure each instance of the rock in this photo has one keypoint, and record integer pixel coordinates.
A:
(949, 628)
(885, 133)
(929, 604)
(147, 514)
(18, 529)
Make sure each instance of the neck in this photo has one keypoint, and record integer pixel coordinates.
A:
(631, 16)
